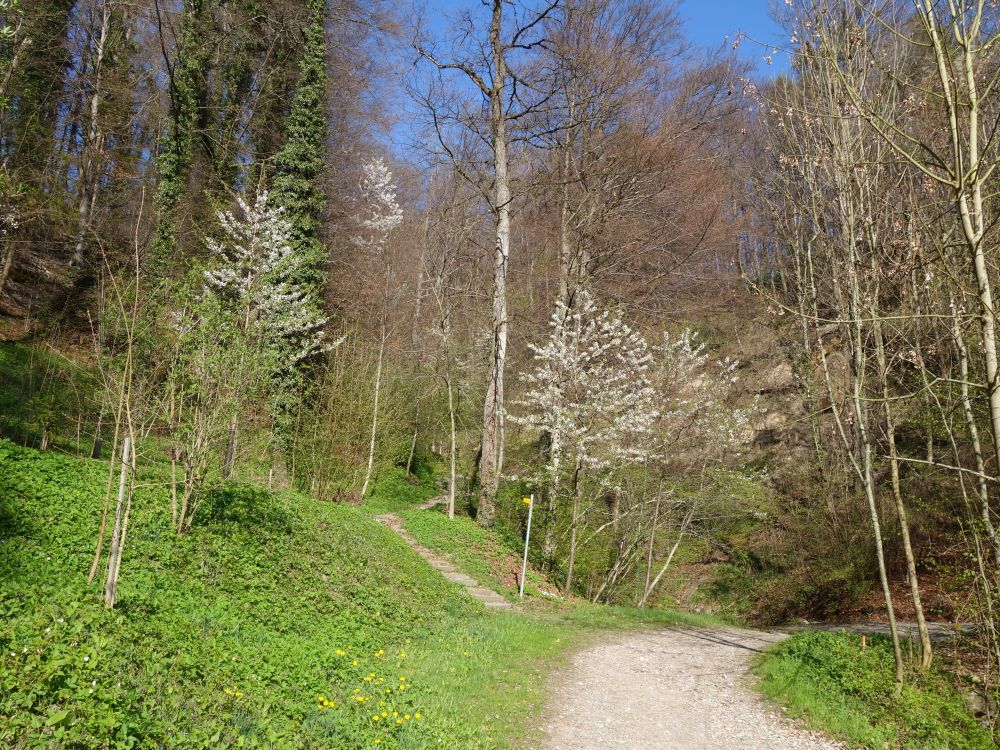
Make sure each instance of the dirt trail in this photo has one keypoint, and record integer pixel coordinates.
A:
(488, 597)
(678, 689)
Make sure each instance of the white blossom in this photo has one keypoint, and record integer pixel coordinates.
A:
(255, 277)
(379, 212)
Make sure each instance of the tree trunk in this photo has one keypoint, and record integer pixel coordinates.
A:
(650, 588)
(114, 555)
(973, 430)
(371, 442)
(230, 458)
(491, 460)
(574, 521)
(926, 652)
(93, 147)
(649, 549)
(452, 451)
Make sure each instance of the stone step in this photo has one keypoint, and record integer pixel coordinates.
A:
(490, 598)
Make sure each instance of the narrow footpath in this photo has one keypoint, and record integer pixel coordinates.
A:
(488, 597)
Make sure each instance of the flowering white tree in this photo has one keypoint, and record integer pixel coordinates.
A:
(592, 394)
(697, 424)
(378, 216)
(254, 279)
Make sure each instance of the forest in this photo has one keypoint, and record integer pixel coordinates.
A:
(726, 329)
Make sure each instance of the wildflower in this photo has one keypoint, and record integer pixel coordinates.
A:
(417, 715)
(406, 717)
(340, 652)
(354, 663)
(385, 714)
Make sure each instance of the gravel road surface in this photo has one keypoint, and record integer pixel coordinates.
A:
(678, 689)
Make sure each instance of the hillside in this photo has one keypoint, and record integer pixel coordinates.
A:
(262, 627)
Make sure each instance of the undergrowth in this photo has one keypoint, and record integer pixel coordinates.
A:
(480, 553)
(834, 684)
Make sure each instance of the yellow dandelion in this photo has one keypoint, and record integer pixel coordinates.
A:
(406, 716)
(376, 717)
(399, 722)
(417, 715)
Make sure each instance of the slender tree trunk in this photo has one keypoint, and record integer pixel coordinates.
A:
(864, 445)
(491, 459)
(114, 555)
(8, 262)
(374, 431)
(926, 652)
(574, 522)
(652, 540)
(93, 147)
(230, 458)
(983, 489)
(452, 453)
(650, 588)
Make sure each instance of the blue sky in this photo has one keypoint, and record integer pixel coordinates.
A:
(710, 22)
(707, 22)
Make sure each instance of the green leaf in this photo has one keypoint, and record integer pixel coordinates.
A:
(57, 718)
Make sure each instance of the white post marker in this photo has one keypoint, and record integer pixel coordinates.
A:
(527, 537)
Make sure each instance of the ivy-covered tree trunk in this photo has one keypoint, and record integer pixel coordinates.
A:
(297, 188)
(188, 93)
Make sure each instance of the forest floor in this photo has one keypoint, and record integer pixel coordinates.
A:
(679, 688)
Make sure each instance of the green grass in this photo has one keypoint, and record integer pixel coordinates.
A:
(258, 599)
(478, 552)
(828, 680)
(229, 635)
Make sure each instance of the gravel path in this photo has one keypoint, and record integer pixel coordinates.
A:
(679, 689)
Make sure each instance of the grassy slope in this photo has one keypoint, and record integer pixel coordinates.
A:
(257, 599)
(229, 635)
(477, 552)
(828, 680)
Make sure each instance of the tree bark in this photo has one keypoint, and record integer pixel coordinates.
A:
(114, 555)
(491, 459)
(371, 442)
(93, 147)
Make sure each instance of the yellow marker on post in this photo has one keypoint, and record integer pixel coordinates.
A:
(530, 502)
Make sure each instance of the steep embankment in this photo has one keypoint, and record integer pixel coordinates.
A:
(228, 634)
